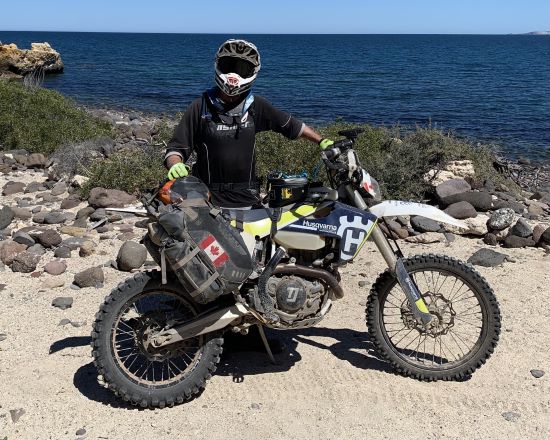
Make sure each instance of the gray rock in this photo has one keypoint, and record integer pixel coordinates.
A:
(501, 219)
(537, 373)
(511, 416)
(58, 189)
(23, 238)
(449, 237)
(487, 258)
(39, 217)
(545, 237)
(25, 262)
(87, 248)
(37, 249)
(49, 238)
(13, 188)
(80, 223)
(131, 255)
(73, 243)
(32, 187)
(490, 239)
(54, 217)
(16, 414)
(56, 267)
(142, 224)
(62, 252)
(423, 224)
(481, 200)
(451, 187)
(98, 214)
(81, 432)
(70, 202)
(515, 206)
(109, 198)
(85, 212)
(63, 302)
(521, 229)
(538, 230)
(90, 277)
(461, 210)
(22, 213)
(3, 337)
(513, 241)
(6, 217)
(9, 250)
(63, 322)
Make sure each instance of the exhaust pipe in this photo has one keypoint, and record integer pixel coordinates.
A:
(310, 272)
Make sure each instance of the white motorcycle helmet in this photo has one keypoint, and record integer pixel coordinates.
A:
(237, 65)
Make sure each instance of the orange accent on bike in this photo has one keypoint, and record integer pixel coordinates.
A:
(164, 193)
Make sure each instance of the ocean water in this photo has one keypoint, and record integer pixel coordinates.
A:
(487, 88)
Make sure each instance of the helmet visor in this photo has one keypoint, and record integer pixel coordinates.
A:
(243, 68)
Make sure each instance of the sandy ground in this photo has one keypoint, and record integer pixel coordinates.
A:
(329, 384)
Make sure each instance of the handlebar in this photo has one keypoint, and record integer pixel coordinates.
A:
(338, 148)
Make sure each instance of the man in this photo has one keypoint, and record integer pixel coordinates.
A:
(221, 125)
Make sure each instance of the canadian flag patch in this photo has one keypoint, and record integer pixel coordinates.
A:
(214, 251)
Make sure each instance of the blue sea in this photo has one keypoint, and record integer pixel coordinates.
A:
(487, 88)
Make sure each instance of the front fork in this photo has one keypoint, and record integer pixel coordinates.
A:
(395, 263)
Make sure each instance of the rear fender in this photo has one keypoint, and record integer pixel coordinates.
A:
(392, 208)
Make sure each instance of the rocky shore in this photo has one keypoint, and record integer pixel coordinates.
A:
(15, 63)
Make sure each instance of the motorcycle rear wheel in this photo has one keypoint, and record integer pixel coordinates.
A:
(131, 367)
(465, 326)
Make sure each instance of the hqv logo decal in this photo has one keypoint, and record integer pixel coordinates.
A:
(353, 234)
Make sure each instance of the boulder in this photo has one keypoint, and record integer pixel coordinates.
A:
(538, 230)
(423, 224)
(25, 262)
(91, 277)
(131, 255)
(6, 217)
(515, 206)
(481, 200)
(109, 198)
(513, 241)
(9, 250)
(521, 228)
(461, 210)
(501, 219)
(12, 188)
(24, 61)
(451, 187)
(545, 237)
(474, 226)
(49, 238)
(487, 258)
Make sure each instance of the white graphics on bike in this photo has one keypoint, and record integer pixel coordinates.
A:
(292, 294)
(390, 208)
(353, 235)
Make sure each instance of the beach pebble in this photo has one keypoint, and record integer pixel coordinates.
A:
(90, 277)
(537, 373)
(16, 414)
(461, 210)
(49, 238)
(56, 267)
(511, 416)
(423, 224)
(6, 217)
(521, 229)
(63, 302)
(62, 252)
(487, 258)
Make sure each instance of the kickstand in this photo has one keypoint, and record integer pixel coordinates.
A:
(266, 344)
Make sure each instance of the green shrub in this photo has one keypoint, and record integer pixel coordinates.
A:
(397, 158)
(41, 120)
(131, 169)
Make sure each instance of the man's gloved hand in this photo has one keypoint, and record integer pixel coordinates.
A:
(325, 143)
(178, 170)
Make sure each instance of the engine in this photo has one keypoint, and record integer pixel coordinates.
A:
(296, 298)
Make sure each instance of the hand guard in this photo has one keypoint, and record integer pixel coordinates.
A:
(325, 143)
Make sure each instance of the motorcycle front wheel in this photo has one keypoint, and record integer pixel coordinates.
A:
(130, 366)
(465, 324)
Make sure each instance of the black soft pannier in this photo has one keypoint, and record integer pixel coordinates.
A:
(208, 256)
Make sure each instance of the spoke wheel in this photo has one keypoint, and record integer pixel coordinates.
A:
(126, 359)
(465, 319)
(132, 348)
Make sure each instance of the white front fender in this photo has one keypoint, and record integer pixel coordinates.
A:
(392, 208)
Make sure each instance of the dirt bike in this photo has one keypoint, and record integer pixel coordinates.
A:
(432, 317)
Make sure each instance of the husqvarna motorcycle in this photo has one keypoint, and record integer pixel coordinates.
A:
(158, 336)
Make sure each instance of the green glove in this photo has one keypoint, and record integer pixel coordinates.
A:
(178, 170)
(325, 143)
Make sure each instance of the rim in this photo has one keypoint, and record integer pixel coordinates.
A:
(130, 335)
(456, 332)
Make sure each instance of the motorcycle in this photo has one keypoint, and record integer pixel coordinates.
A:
(432, 317)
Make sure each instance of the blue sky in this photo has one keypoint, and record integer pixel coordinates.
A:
(281, 16)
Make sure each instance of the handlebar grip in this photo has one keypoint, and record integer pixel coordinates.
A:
(344, 144)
